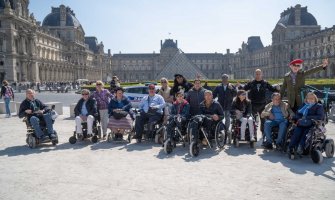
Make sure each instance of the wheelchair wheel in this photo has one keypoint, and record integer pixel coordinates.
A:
(252, 144)
(94, 139)
(329, 148)
(220, 135)
(72, 139)
(194, 149)
(317, 156)
(168, 148)
(110, 137)
(236, 142)
(32, 141)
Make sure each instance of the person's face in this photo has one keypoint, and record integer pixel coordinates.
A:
(310, 99)
(99, 86)
(242, 96)
(119, 94)
(276, 100)
(180, 97)
(164, 83)
(30, 95)
(179, 79)
(85, 95)
(295, 68)
(197, 85)
(258, 75)
(225, 81)
(208, 97)
(152, 91)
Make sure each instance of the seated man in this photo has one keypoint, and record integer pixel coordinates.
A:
(85, 110)
(151, 110)
(212, 108)
(34, 110)
(181, 110)
(276, 114)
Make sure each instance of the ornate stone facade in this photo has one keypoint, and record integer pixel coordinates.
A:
(296, 35)
(56, 50)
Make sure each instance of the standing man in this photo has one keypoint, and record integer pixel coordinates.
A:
(195, 96)
(257, 90)
(295, 80)
(8, 94)
(225, 93)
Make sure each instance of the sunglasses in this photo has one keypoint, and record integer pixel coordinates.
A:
(84, 94)
(163, 81)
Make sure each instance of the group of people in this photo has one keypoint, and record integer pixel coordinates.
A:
(186, 100)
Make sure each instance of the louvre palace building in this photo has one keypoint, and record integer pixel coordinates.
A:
(54, 50)
(296, 35)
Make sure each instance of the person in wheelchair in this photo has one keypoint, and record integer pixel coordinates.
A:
(151, 111)
(241, 109)
(179, 115)
(213, 113)
(310, 110)
(120, 114)
(85, 111)
(35, 112)
(276, 113)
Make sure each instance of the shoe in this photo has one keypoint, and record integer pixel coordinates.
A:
(300, 150)
(138, 140)
(43, 138)
(268, 145)
(52, 136)
(242, 139)
(80, 136)
(104, 136)
(252, 139)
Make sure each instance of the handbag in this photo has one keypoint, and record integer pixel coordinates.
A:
(119, 114)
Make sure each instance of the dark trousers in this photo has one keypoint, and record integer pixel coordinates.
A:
(144, 118)
(172, 124)
(257, 109)
(299, 137)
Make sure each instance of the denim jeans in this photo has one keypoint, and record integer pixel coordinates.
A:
(226, 114)
(7, 105)
(35, 122)
(281, 133)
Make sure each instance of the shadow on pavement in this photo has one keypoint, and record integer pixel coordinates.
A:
(302, 165)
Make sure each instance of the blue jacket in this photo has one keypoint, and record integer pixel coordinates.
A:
(114, 104)
(181, 108)
(316, 112)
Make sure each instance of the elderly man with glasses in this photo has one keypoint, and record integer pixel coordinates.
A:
(295, 80)
(151, 111)
(85, 110)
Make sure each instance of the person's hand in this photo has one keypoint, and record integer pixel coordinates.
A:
(215, 117)
(39, 112)
(28, 111)
(230, 86)
(325, 63)
(271, 116)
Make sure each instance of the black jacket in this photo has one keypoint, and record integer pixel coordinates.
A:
(195, 97)
(186, 86)
(225, 97)
(29, 105)
(257, 91)
(4, 89)
(215, 108)
(244, 107)
(91, 106)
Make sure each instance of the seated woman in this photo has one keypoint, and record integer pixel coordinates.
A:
(117, 104)
(241, 107)
(181, 110)
(311, 109)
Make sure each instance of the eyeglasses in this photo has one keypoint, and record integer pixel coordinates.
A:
(163, 81)
(244, 94)
(297, 65)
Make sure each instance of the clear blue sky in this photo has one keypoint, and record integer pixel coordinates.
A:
(200, 26)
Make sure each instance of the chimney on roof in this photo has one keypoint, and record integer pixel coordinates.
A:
(228, 51)
(109, 52)
(161, 43)
(297, 14)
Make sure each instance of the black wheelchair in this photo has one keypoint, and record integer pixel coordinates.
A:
(96, 129)
(316, 143)
(178, 135)
(274, 135)
(199, 134)
(236, 132)
(31, 138)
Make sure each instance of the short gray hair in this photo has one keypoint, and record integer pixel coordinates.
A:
(275, 94)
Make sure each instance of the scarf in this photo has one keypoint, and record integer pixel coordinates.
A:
(293, 76)
(304, 110)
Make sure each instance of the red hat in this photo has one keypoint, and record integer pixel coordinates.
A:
(296, 61)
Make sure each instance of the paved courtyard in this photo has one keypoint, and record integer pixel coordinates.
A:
(143, 171)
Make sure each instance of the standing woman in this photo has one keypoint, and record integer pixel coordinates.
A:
(8, 94)
(165, 92)
(102, 96)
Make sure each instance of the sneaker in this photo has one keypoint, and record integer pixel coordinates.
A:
(104, 136)
(80, 136)
(52, 136)
(268, 145)
(242, 138)
(43, 138)
(300, 150)
(252, 139)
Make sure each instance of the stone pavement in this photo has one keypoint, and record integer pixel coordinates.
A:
(143, 171)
